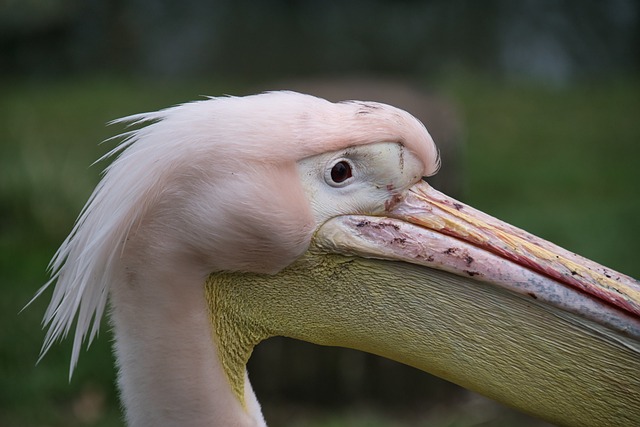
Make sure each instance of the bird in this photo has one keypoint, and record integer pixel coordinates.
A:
(228, 220)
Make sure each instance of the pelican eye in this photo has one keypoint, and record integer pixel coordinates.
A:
(340, 172)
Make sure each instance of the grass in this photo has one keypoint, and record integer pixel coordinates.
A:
(561, 163)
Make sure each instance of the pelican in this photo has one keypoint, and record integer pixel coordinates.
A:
(229, 220)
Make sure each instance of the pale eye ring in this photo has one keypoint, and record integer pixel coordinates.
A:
(339, 174)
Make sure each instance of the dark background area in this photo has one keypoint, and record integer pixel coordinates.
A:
(535, 105)
(555, 41)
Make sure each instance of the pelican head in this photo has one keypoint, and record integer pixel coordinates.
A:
(227, 221)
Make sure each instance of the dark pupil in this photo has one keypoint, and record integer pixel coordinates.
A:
(340, 172)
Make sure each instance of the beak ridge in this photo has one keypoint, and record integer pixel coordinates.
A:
(427, 207)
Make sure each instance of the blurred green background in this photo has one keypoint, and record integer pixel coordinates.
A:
(543, 101)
